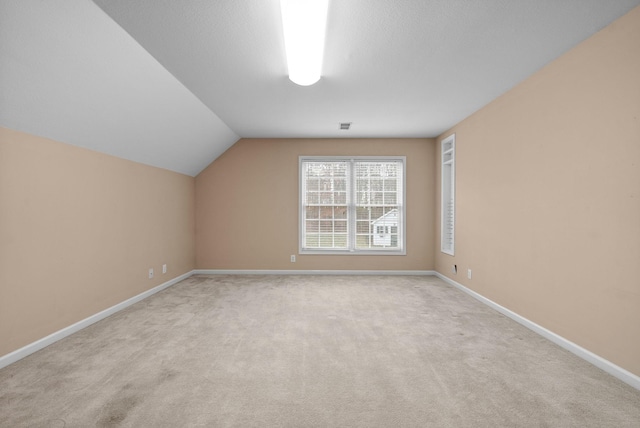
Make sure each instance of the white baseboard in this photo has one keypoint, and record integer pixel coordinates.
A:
(606, 365)
(67, 331)
(609, 367)
(311, 272)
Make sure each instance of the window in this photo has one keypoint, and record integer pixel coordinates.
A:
(352, 205)
(448, 195)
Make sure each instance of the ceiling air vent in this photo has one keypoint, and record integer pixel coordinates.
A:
(344, 126)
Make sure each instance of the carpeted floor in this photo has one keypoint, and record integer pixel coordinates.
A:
(310, 351)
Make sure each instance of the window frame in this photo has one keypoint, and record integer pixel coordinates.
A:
(351, 207)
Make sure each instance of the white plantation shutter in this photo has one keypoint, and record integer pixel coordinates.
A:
(448, 197)
(352, 205)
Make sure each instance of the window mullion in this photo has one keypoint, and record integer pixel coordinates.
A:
(351, 208)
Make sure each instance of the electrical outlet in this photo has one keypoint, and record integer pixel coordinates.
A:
(293, 258)
(454, 269)
(164, 268)
(469, 273)
(150, 273)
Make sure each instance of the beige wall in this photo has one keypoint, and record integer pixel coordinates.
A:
(79, 231)
(247, 205)
(548, 196)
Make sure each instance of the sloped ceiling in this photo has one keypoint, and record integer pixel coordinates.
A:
(175, 83)
(70, 73)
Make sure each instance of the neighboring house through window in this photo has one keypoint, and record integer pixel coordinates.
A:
(352, 205)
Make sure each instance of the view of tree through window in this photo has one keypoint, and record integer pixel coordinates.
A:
(351, 204)
(325, 221)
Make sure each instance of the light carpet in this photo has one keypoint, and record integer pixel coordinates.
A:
(310, 351)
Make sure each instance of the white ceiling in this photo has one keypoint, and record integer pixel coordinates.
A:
(174, 83)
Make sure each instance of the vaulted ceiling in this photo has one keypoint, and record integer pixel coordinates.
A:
(175, 83)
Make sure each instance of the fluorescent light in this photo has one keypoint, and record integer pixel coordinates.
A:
(304, 22)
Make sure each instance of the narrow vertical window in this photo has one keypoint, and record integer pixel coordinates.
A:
(448, 195)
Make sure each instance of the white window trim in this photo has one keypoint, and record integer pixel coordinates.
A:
(448, 246)
(402, 236)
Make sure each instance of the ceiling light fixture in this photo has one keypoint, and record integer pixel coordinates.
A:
(304, 23)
